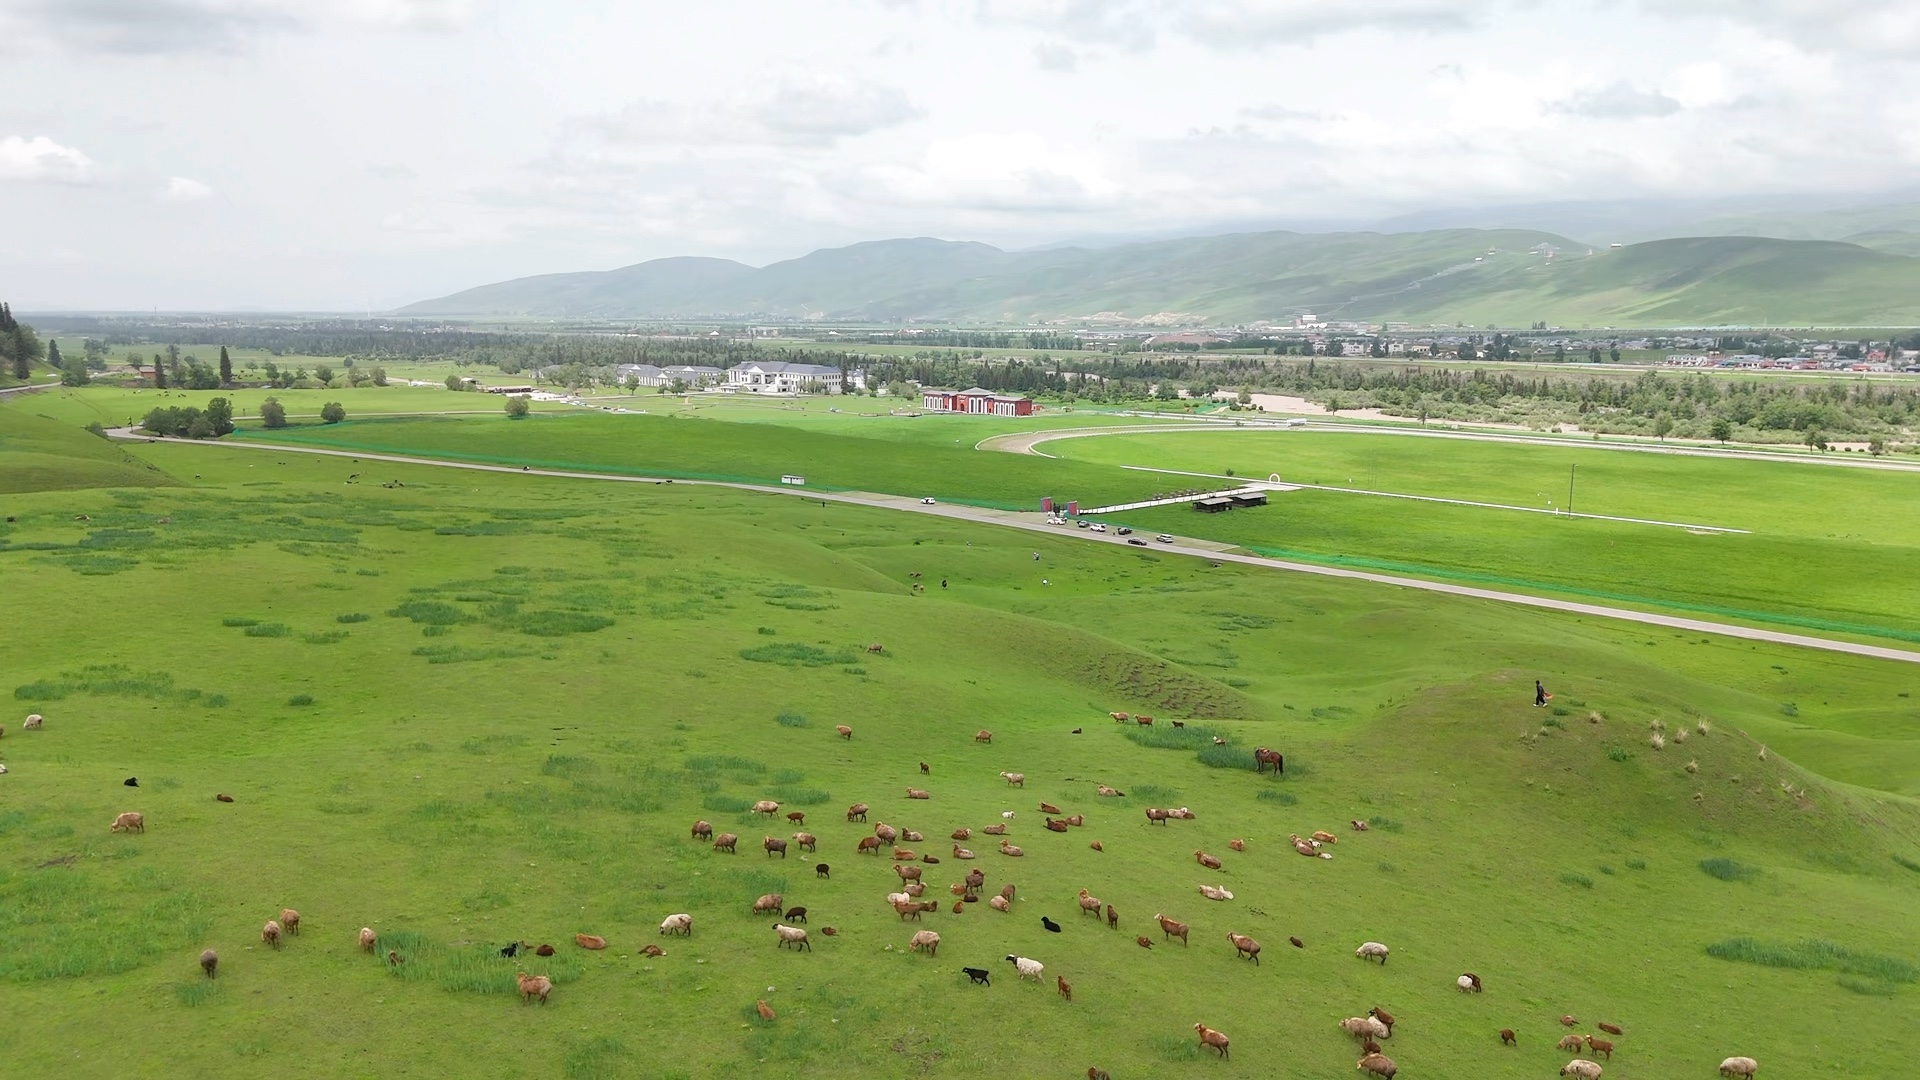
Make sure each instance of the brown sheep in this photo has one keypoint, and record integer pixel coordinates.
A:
(1384, 1017)
(925, 769)
(918, 793)
(925, 941)
(1215, 1039)
(1171, 928)
(1206, 860)
(368, 939)
(1368, 1046)
(886, 832)
(1601, 1047)
(876, 647)
(544, 950)
(1358, 825)
(222, 797)
(1089, 904)
(1065, 987)
(593, 942)
(1570, 1042)
(765, 1010)
(930, 858)
(857, 812)
(914, 889)
(653, 950)
(394, 959)
(983, 736)
(1569, 1021)
(290, 920)
(845, 731)
(773, 844)
(1245, 946)
(1075, 820)
(798, 817)
(829, 931)
(1379, 1065)
(1006, 891)
(995, 830)
(769, 902)
(209, 960)
(959, 907)
(1056, 826)
(962, 853)
(1119, 717)
(975, 879)
(270, 934)
(1095, 845)
(795, 914)
(1611, 1029)
(907, 873)
(767, 807)
(1113, 918)
(1154, 814)
(1507, 1037)
(1049, 808)
(1237, 845)
(1106, 792)
(911, 836)
(702, 830)
(1296, 943)
(532, 986)
(725, 842)
(998, 903)
(906, 908)
(131, 821)
(806, 840)
(1094, 1072)
(1143, 941)
(1325, 837)
(868, 844)
(963, 834)
(1143, 721)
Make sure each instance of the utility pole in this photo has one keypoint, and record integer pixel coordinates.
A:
(1571, 469)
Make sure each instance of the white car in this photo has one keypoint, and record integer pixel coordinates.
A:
(926, 502)
(1165, 538)
(1097, 527)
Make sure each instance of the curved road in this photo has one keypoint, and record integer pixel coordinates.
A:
(1185, 547)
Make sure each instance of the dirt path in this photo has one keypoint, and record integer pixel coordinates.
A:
(1184, 547)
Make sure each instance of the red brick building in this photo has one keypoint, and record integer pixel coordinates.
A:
(976, 401)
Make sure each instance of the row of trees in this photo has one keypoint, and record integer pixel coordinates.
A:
(217, 419)
(19, 345)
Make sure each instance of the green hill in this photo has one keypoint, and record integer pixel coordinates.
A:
(1475, 276)
(41, 454)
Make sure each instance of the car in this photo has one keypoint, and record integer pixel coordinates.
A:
(1136, 541)
(1083, 524)
(1124, 531)
(926, 502)
(1097, 527)
(1165, 538)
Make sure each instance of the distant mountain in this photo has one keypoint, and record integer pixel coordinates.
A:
(1509, 277)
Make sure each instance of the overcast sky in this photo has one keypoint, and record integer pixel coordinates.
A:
(338, 154)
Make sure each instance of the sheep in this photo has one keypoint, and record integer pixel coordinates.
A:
(1245, 946)
(209, 960)
(679, 923)
(1158, 815)
(1119, 717)
(925, 941)
(963, 834)
(765, 1010)
(290, 920)
(995, 830)
(1379, 1065)
(773, 844)
(907, 873)
(767, 807)
(1325, 837)
(1094, 1072)
(1106, 792)
(1029, 969)
(983, 736)
(1359, 825)
(975, 880)
(725, 842)
(962, 853)
(1113, 918)
(1015, 779)
(222, 797)
(998, 903)
(543, 950)
(1581, 1068)
(532, 986)
(1065, 987)
(1089, 904)
(1507, 1037)
(131, 821)
(798, 817)
(592, 942)
(1055, 826)
(1179, 723)
(904, 907)
(394, 959)
(807, 841)
(1143, 721)
(1569, 1021)
(1049, 925)
(512, 949)
(1365, 1027)
(918, 793)
(792, 935)
(1206, 860)
(1237, 844)
(1182, 813)
(822, 870)
(1600, 1046)
(796, 914)
(653, 951)
(368, 939)
(1006, 892)
(1170, 928)
(1369, 950)
(1468, 983)
(926, 769)
(844, 731)
(1570, 1042)
(959, 907)
(1214, 892)
(33, 722)
(1009, 849)
(886, 832)
(914, 889)
(1305, 847)
(911, 836)
(1739, 1066)
(858, 811)
(1215, 1039)
(270, 934)
(1095, 845)
(1218, 741)
(1143, 941)
(1368, 1046)
(769, 902)
(867, 844)
(1296, 943)
(1611, 1029)
(1049, 808)
(979, 976)
(702, 830)
(1384, 1017)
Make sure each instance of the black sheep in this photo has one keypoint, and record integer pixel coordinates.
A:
(1051, 926)
(131, 781)
(978, 976)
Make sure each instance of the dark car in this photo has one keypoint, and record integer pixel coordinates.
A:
(1137, 542)
(1124, 531)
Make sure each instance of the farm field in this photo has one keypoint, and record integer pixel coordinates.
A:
(478, 708)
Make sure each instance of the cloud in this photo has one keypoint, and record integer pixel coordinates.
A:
(1138, 25)
(40, 159)
(1278, 113)
(1619, 101)
(176, 26)
(1886, 27)
(181, 189)
(1053, 56)
(1019, 173)
(815, 111)
(391, 170)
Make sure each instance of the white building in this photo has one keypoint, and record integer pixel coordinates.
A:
(778, 377)
(648, 375)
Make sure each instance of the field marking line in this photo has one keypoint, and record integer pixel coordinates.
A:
(988, 517)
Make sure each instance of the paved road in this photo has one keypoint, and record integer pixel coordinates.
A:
(1184, 547)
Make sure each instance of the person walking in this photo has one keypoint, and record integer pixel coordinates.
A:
(1540, 694)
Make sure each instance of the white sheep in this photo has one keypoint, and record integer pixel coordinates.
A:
(681, 924)
(925, 940)
(3, 770)
(1581, 1068)
(1739, 1066)
(1029, 969)
(34, 720)
(1468, 984)
(792, 935)
(1365, 1027)
(1369, 950)
(1214, 892)
(1008, 814)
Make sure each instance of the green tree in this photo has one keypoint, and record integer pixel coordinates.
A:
(323, 375)
(1721, 429)
(1335, 403)
(159, 372)
(220, 416)
(1614, 354)
(274, 413)
(53, 354)
(75, 373)
(332, 412)
(1816, 439)
(379, 376)
(1246, 396)
(454, 383)
(1662, 426)
(517, 406)
(226, 367)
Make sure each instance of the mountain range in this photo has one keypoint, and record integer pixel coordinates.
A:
(1843, 266)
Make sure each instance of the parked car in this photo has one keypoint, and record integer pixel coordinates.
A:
(1165, 538)
(1097, 527)
(927, 501)
(1136, 541)
(1124, 531)
(1083, 524)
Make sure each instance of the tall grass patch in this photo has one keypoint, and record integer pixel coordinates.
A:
(789, 718)
(797, 654)
(1862, 972)
(1729, 870)
(471, 969)
(268, 630)
(1195, 738)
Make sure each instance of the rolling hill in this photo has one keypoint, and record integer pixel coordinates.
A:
(1477, 276)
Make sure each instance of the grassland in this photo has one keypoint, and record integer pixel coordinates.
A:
(498, 701)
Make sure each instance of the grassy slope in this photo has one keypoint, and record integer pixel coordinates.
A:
(40, 453)
(549, 792)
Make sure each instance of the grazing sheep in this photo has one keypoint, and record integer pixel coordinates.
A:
(1218, 741)
(998, 903)
(1581, 1068)
(653, 950)
(1119, 717)
(1029, 969)
(845, 731)
(975, 880)
(1468, 983)
(904, 906)
(983, 736)
(773, 844)
(907, 873)
(918, 793)
(1089, 904)
(822, 870)
(593, 942)
(765, 1010)
(927, 941)
(33, 722)
(1359, 825)
(1507, 1037)
(1006, 891)
(1206, 860)
(1015, 779)
(1365, 1027)
(995, 830)
(368, 939)
(131, 821)
(1215, 1039)
(857, 812)
(1180, 723)
(1611, 1029)
(1065, 987)
(680, 923)
(270, 934)
(769, 902)
(767, 807)
(209, 960)
(886, 832)
(1369, 950)
(795, 914)
(1158, 815)
(807, 841)
(798, 817)
(1113, 918)
(1049, 925)
(532, 986)
(544, 950)
(1214, 892)
(1244, 946)
(1384, 1017)
(1739, 1066)
(702, 830)
(1009, 849)
(979, 976)
(792, 935)
(725, 842)
(867, 844)
(1600, 1046)
(1171, 928)
(1368, 1046)
(1143, 721)
(222, 797)
(1570, 1042)
(1379, 1065)
(290, 920)
(1237, 844)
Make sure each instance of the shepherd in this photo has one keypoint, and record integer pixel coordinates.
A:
(1540, 695)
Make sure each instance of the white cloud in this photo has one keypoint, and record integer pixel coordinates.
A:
(43, 160)
(1138, 25)
(181, 189)
(1053, 56)
(172, 26)
(815, 110)
(1889, 27)
(1618, 101)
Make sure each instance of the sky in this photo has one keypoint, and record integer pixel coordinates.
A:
(345, 155)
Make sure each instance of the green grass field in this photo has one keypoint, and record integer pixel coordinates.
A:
(478, 708)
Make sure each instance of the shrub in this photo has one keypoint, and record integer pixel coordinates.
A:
(329, 637)
(1729, 870)
(268, 630)
(766, 631)
(789, 718)
(558, 623)
(273, 413)
(1618, 753)
(239, 622)
(517, 405)
(1813, 955)
(1580, 880)
(430, 612)
(352, 617)
(300, 699)
(1636, 864)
